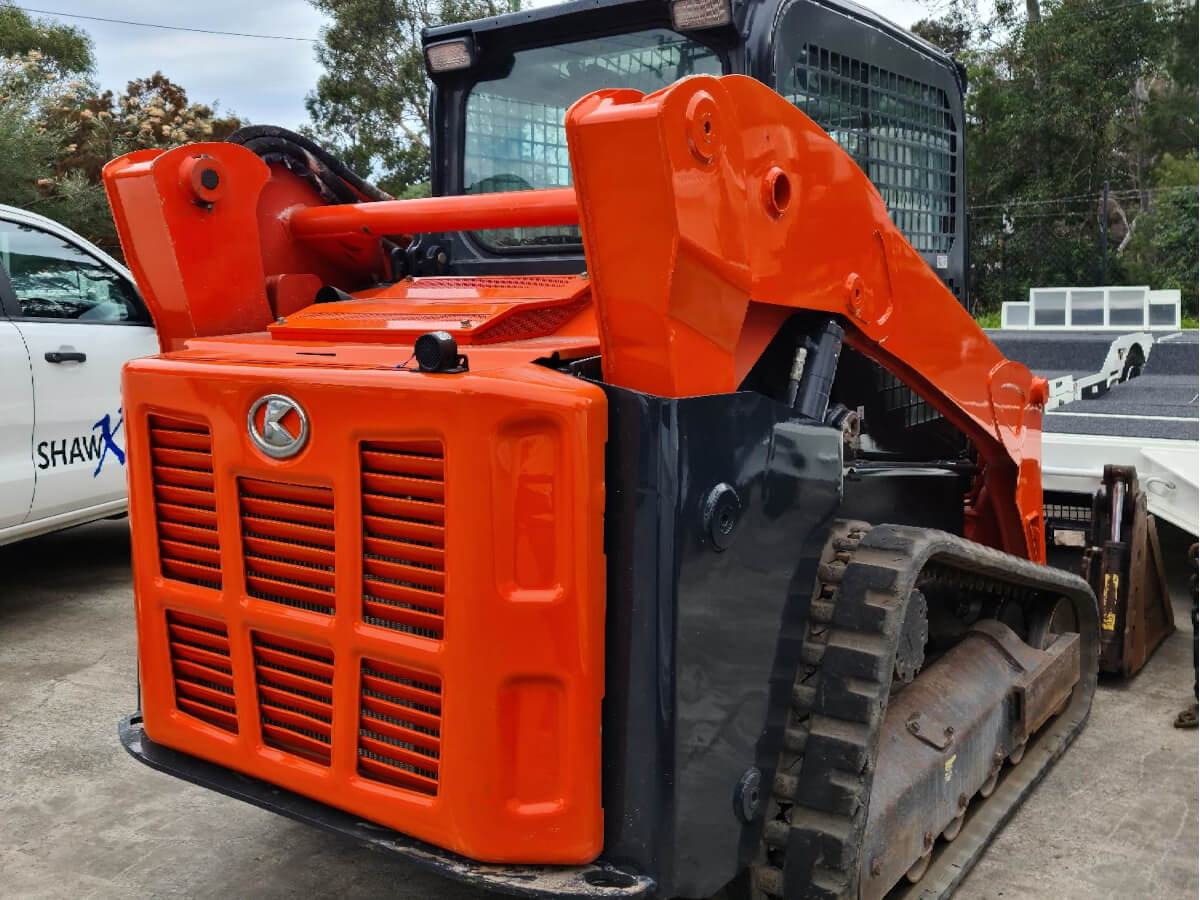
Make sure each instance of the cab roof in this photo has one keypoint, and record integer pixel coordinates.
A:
(597, 10)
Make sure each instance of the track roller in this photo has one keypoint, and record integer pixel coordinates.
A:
(951, 831)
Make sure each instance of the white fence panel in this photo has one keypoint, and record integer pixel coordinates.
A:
(1119, 308)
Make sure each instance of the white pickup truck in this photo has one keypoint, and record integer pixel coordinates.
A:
(70, 317)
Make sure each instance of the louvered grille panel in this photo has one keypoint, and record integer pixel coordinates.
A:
(185, 503)
(400, 726)
(505, 282)
(295, 695)
(404, 536)
(202, 669)
(287, 543)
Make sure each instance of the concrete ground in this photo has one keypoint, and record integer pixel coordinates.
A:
(1116, 817)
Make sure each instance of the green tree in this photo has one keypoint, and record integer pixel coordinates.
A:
(152, 112)
(1163, 249)
(39, 61)
(1065, 95)
(1166, 108)
(371, 106)
(58, 129)
(25, 155)
(65, 50)
(89, 127)
(38, 58)
(951, 33)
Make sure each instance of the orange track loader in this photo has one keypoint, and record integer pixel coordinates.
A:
(717, 561)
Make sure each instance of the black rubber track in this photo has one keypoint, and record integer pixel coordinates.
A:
(814, 833)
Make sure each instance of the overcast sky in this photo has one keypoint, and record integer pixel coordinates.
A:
(263, 80)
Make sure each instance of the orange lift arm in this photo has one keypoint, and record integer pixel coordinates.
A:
(710, 201)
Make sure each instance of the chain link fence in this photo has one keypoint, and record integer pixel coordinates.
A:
(1147, 237)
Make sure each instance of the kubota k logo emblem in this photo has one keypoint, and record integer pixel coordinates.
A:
(278, 426)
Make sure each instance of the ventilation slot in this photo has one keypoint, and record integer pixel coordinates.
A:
(399, 726)
(295, 696)
(287, 541)
(202, 669)
(494, 282)
(529, 323)
(404, 538)
(184, 502)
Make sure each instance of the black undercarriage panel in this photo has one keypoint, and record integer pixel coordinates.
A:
(718, 509)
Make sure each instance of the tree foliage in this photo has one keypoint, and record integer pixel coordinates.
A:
(24, 152)
(1064, 96)
(1163, 248)
(58, 129)
(371, 105)
(63, 49)
(951, 32)
(151, 113)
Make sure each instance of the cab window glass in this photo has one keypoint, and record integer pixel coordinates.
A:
(53, 279)
(515, 136)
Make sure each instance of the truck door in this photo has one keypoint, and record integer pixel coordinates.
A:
(80, 319)
(16, 427)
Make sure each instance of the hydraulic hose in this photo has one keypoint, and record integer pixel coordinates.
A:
(328, 175)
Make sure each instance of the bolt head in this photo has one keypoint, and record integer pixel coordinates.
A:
(722, 510)
(703, 127)
(748, 795)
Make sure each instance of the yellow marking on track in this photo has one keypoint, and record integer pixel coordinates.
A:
(950, 766)
(1112, 586)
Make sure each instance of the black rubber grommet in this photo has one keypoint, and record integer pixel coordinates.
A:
(722, 510)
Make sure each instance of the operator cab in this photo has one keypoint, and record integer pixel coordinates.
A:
(503, 85)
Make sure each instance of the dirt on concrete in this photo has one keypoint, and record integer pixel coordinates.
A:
(1115, 818)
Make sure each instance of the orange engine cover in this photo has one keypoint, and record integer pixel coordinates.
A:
(404, 619)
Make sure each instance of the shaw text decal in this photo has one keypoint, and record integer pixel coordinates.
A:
(84, 448)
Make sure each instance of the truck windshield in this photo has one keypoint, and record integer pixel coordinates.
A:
(515, 139)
